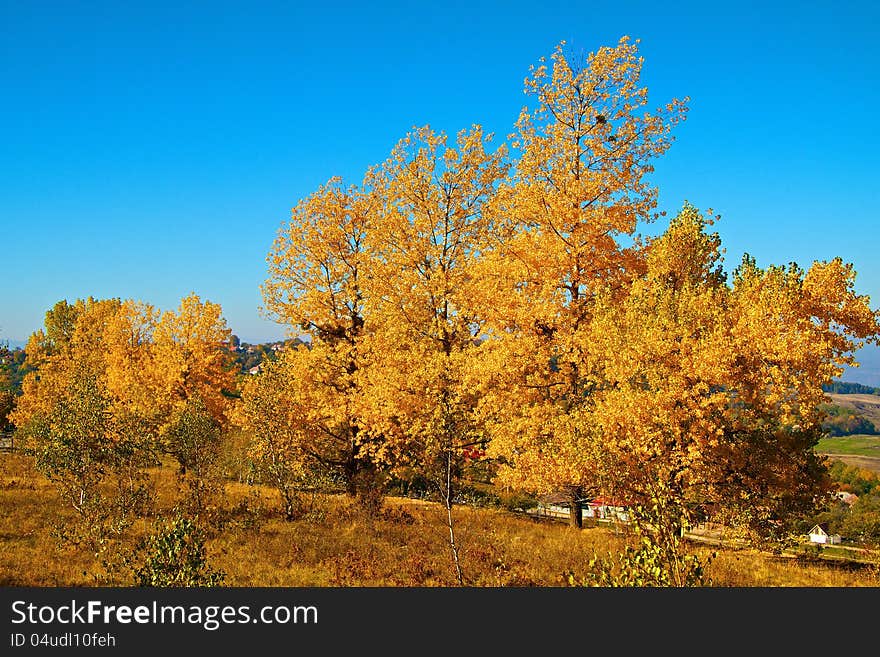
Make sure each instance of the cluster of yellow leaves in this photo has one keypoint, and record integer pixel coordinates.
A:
(189, 359)
(712, 391)
(316, 266)
(381, 278)
(145, 364)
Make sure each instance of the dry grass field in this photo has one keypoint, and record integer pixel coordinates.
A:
(335, 545)
(871, 463)
(865, 405)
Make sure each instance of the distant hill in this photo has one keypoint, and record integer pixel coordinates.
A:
(847, 388)
(249, 357)
(868, 372)
(854, 414)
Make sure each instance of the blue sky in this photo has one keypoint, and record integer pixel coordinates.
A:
(150, 150)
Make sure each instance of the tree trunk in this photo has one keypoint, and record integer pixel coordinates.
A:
(350, 472)
(575, 517)
(447, 498)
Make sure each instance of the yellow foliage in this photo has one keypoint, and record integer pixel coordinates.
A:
(458, 297)
(423, 329)
(189, 359)
(144, 364)
(579, 184)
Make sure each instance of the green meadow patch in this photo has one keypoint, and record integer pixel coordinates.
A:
(857, 444)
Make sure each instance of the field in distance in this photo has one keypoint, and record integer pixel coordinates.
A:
(858, 450)
(867, 406)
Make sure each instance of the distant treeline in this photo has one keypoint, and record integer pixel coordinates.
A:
(249, 356)
(12, 371)
(246, 356)
(12, 367)
(845, 388)
(842, 421)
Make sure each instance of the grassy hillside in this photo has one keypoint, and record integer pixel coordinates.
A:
(867, 406)
(858, 450)
(857, 445)
(335, 545)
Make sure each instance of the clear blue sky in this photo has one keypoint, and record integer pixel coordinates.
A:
(150, 149)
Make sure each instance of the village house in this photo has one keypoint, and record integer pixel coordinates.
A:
(846, 497)
(602, 508)
(819, 536)
(599, 508)
(554, 505)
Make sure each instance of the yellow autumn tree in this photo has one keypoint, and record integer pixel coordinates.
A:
(659, 412)
(577, 193)
(189, 370)
(67, 419)
(793, 331)
(710, 397)
(432, 227)
(317, 270)
(70, 343)
(148, 372)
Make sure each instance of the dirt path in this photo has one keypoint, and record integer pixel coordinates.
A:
(866, 462)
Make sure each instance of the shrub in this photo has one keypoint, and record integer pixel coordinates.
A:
(176, 556)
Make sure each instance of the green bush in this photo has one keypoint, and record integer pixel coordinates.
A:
(857, 480)
(176, 556)
(516, 500)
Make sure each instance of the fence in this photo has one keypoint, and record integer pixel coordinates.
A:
(7, 442)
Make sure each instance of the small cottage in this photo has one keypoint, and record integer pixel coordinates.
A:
(558, 505)
(820, 536)
(845, 497)
(606, 509)
(555, 505)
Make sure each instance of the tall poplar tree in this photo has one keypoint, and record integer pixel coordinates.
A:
(433, 225)
(317, 271)
(576, 195)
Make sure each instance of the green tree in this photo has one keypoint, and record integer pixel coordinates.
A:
(284, 444)
(862, 523)
(842, 421)
(7, 389)
(193, 437)
(176, 556)
(94, 458)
